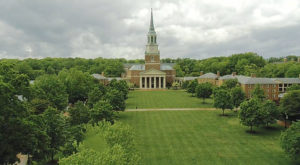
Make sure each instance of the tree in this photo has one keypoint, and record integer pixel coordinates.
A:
(204, 90)
(21, 85)
(102, 110)
(231, 83)
(175, 85)
(96, 94)
(290, 141)
(50, 88)
(185, 85)
(250, 113)
(222, 99)
(192, 86)
(13, 125)
(290, 105)
(238, 96)
(258, 93)
(79, 114)
(116, 99)
(270, 112)
(120, 86)
(56, 129)
(294, 87)
(77, 83)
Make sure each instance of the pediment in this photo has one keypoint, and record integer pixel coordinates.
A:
(153, 72)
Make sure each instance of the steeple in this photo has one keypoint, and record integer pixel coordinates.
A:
(151, 28)
(151, 34)
(152, 57)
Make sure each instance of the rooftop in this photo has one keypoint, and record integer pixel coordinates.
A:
(209, 75)
(165, 66)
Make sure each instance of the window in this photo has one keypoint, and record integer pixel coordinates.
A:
(152, 58)
(154, 39)
(151, 39)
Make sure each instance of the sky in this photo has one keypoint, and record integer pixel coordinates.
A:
(196, 29)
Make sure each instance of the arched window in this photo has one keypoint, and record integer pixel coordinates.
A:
(155, 40)
(152, 58)
(151, 39)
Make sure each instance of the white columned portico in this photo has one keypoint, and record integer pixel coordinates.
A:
(150, 82)
(146, 83)
(141, 82)
(159, 82)
(164, 82)
(155, 82)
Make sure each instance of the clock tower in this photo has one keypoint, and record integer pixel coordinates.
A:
(152, 57)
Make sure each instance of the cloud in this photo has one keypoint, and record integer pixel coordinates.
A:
(117, 29)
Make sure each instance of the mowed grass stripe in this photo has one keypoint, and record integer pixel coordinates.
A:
(202, 137)
(164, 99)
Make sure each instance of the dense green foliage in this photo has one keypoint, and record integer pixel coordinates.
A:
(50, 88)
(258, 93)
(238, 96)
(120, 147)
(40, 118)
(202, 137)
(222, 99)
(290, 104)
(251, 113)
(204, 90)
(290, 140)
(191, 88)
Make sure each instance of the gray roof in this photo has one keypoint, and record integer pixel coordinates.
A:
(227, 77)
(209, 75)
(99, 77)
(137, 67)
(142, 67)
(255, 80)
(189, 78)
(287, 80)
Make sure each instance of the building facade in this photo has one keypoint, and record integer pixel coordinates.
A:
(153, 74)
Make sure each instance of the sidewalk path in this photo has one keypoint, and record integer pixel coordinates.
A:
(172, 109)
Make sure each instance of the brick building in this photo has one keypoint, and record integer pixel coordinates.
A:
(274, 88)
(152, 74)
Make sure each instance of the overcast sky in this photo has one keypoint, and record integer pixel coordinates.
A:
(117, 28)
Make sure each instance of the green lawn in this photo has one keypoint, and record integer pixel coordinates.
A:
(164, 99)
(202, 137)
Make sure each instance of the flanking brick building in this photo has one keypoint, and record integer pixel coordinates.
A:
(274, 88)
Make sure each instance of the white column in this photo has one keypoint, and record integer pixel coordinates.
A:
(141, 83)
(154, 81)
(146, 82)
(164, 82)
(159, 82)
(150, 82)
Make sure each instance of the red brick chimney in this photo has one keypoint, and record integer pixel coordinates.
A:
(201, 73)
(102, 74)
(233, 73)
(253, 75)
(218, 73)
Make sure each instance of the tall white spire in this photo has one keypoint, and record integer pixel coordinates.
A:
(151, 28)
(152, 47)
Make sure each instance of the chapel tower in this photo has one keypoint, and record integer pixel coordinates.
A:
(152, 57)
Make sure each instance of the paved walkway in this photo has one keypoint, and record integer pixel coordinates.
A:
(172, 109)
